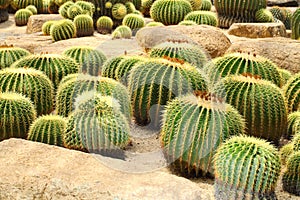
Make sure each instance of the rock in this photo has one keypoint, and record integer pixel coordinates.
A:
(283, 3)
(257, 30)
(282, 51)
(212, 39)
(36, 22)
(31, 170)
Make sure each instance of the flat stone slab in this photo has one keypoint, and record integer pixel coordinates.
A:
(36, 22)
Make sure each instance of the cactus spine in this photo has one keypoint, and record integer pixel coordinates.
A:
(292, 93)
(22, 17)
(63, 30)
(104, 25)
(10, 54)
(84, 25)
(295, 26)
(203, 17)
(291, 177)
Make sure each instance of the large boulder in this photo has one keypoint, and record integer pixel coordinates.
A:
(36, 22)
(31, 170)
(284, 3)
(257, 30)
(212, 39)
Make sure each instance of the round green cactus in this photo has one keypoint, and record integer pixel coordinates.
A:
(246, 168)
(203, 17)
(63, 9)
(130, 7)
(285, 75)
(10, 54)
(119, 11)
(91, 60)
(155, 82)
(186, 52)
(170, 12)
(74, 10)
(32, 9)
(282, 14)
(292, 93)
(232, 11)
(122, 32)
(16, 114)
(32, 83)
(206, 5)
(239, 63)
(71, 89)
(47, 27)
(296, 142)
(285, 152)
(37, 3)
(291, 177)
(293, 123)
(193, 128)
(48, 129)
(259, 101)
(63, 30)
(87, 7)
(295, 25)
(264, 15)
(104, 25)
(84, 25)
(133, 21)
(137, 4)
(154, 24)
(97, 125)
(22, 17)
(196, 4)
(187, 23)
(55, 66)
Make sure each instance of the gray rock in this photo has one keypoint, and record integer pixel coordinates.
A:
(36, 22)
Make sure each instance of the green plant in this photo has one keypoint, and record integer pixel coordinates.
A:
(232, 11)
(203, 17)
(24, 3)
(282, 14)
(239, 63)
(146, 6)
(10, 54)
(22, 17)
(32, 83)
(47, 27)
(285, 152)
(295, 25)
(16, 114)
(130, 7)
(4, 4)
(259, 101)
(186, 52)
(206, 5)
(292, 93)
(246, 168)
(187, 23)
(74, 10)
(264, 15)
(154, 24)
(75, 86)
(55, 66)
(48, 129)
(87, 7)
(62, 30)
(122, 32)
(291, 177)
(296, 142)
(137, 4)
(91, 60)
(285, 75)
(63, 9)
(155, 82)
(196, 4)
(32, 9)
(170, 12)
(133, 21)
(104, 25)
(193, 128)
(293, 123)
(84, 25)
(97, 125)
(119, 11)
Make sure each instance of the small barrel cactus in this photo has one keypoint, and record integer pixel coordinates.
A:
(154, 24)
(91, 60)
(119, 11)
(55, 66)
(22, 17)
(84, 25)
(133, 21)
(74, 10)
(193, 128)
(292, 93)
(122, 32)
(264, 15)
(87, 7)
(37, 3)
(63, 30)
(282, 14)
(104, 25)
(63, 9)
(32, 8)
(16, 114)
(285, 75)
(293, 123)
(260, 102)
(196, 4)
(47, 27)
(32, 83)
(246, 168)
(130, 7)
(203, 17)
(187, 23)
(48, 129)
(137, 4)
(206, 5)
(170, 12)
(285, 152)
(291, 177)
(10, 54)
(295, 25)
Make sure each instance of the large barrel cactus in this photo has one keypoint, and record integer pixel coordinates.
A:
(62, 30)
(16, 114)
(295, 26)
(32, 83)
(246, 168)
(10, 54)
(292, 93)
(294, 123)
(84, 25)
(193, 128)
(260, 102)
(291, 177)
(231, 11)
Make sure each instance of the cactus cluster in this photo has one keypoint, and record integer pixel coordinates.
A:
(264, 15)
(291, 177)
(22, 17)
(203, 17)
(293, 123)
(22, 4)
(292, 93)
(295, 25)
(84, 25)
(63, 9)
(246, 168)
(282, 14)
(70, 10)
(104, 25)
(10, 54)
(122, 32)
(62, 30)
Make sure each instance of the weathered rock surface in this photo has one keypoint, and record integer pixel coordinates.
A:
(286, 3)
(36, 22)
(257, 30)
(210, 38)
(30, 170)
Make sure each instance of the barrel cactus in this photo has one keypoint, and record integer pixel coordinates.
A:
(63, 30)
(73, 11)
(206, 5)
(282, 14)
(47, 27)
(16, 114)
(187, 23)
(48, 129)
(259, 101)
(295, 26)
(133, 21)
(291, 177)
(10, 54)
(285, 152)
(122, 32)
(196, 4)
(91, 60)
(84, 25)
(293, 123)
(87, 7)
(193, 128)
(63, 9)
(203, 17)
(170, 12)
(285, 75)
(32, 9)
(119, 11)
(156, 81)
(55, 66)
(32, 83)
(22, 17)
(137, 4)
(292, 93)
(264, 15)
(130, 7)
(104, 25)
(246, 168)
(154, 24)
(21, 4)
